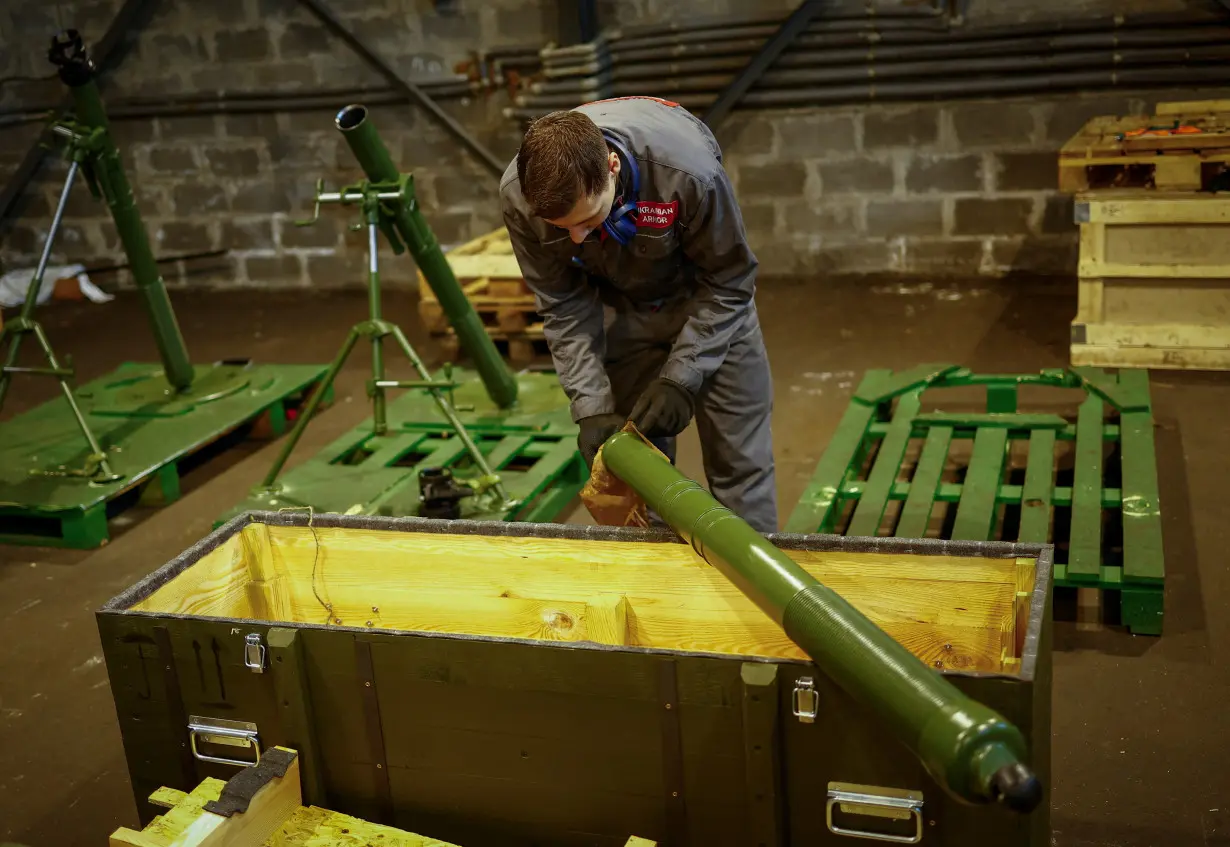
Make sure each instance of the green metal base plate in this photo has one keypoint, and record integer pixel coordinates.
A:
(1086, 483)
(146, 434)
(533, 448)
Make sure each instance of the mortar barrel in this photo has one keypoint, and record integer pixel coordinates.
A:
(77, 72)
(356, 126)
(970, 750)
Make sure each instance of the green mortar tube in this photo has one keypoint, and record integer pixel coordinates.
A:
(360, 134)
(77, 72)
(970, 750)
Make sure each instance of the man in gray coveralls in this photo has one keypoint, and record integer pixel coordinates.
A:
(624, 203)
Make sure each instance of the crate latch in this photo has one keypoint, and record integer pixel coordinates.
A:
(254, 653)
(806, 699)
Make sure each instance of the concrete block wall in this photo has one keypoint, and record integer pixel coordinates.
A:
(956, 189)
(239, 181)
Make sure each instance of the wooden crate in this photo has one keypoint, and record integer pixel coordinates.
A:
(263, 807)
(1154, 287)
(1095, 158)
(506, 684)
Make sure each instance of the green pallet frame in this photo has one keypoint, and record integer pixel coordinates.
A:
(1114, 476)
(532, 447)
(44, 503)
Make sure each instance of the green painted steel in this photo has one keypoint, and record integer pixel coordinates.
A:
(44, 501)
(1142, 516)
(1114, 417)
(819, 505)
(916, 512)
(870, 509)
(105, 170)
(532, 447)
(357, 128)
(990, 419)
(1036, 492)
(976, 509)
(1085, 537)
(969, 749)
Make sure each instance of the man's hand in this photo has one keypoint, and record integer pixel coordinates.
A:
(595, 430)
(663, 410)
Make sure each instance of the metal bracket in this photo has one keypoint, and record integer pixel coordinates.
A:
(805, 699)
(254, 653)
(227, 733)
(889, 803)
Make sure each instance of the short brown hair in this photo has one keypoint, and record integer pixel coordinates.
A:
(562, 158)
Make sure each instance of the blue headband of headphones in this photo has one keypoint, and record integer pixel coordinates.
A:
(620, 224)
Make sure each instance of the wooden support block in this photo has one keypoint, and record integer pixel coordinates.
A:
(640, 842)
(1088, 609)
(606, 620)
(1177, 173)
(167, 798)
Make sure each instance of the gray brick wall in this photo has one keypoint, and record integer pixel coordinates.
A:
(954, 188)
(957, 188)
(238, 181)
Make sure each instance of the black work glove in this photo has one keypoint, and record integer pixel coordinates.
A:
(595, 430)
(663, 409)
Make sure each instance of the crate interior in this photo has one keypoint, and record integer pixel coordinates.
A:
(963, 613)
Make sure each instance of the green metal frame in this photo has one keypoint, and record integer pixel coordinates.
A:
(45, 501)
(533, 449)
(885, 415)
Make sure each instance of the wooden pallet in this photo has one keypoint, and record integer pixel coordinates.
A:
(521, 348)
(491, 279)
(1095, 158)
(262, 806)
(1086, 482)
(1154, 286)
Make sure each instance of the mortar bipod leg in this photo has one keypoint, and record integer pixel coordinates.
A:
(446, 408)
(36, 284)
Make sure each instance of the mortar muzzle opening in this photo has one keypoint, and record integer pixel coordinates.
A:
(351, 117)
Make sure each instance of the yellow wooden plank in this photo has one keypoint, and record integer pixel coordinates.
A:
(1192, 107)
(1166, 336)
(495, 266)
(270, 807)
(168, 798)
(1128, 271)
(1101, 356)
(313, 826)
(640, 842)
(1089, 308)
(1146, 207)
(125, 837)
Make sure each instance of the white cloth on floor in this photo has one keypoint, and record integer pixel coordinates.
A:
(15, 284)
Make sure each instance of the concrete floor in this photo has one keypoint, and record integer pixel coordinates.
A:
(1141, 738)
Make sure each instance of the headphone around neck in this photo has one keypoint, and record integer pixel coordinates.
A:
(620, 224)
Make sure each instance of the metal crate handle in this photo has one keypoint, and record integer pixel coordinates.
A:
(892, 803)
(229, 733)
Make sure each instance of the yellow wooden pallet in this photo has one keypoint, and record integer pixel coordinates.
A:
(1096, 158)
(489, 275)
(1154, 286)
(262, 807)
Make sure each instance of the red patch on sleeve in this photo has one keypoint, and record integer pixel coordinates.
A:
(656, 215)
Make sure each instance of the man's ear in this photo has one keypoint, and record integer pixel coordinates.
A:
(612, 162)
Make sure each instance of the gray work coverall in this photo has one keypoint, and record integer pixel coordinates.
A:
(676, 302)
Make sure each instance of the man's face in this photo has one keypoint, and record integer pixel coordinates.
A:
(589, 212)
